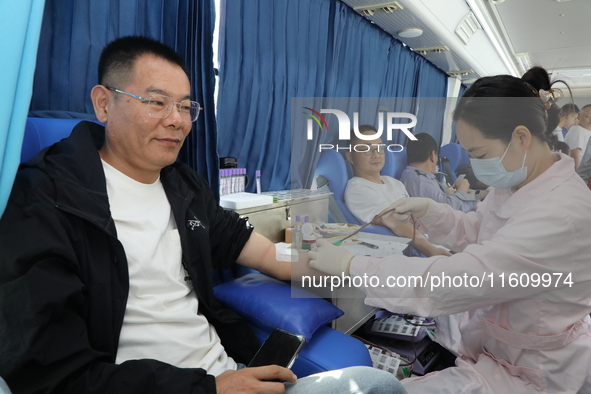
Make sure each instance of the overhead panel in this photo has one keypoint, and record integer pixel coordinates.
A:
(448, 28)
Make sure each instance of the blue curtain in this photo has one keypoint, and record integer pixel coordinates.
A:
(274, 51)
(20, 25)
(431, 93)
(74, 33)
(453, 138)
(266, 58)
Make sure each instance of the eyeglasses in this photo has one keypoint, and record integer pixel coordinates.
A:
(378, 150)
(160, 106)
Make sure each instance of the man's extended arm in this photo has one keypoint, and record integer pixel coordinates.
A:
(259, 254)
(406, 230)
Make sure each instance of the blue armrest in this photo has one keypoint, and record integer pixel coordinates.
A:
(269, 303)
(327, 350)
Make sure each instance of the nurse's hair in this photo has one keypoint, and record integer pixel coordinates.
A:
(497, 105)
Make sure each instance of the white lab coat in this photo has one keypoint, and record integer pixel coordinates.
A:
(513, 340)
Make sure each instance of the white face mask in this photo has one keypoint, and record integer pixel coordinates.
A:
(493, 173)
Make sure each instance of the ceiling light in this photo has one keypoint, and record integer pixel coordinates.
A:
(412, 32)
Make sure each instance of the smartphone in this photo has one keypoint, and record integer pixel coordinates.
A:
(461, 176)
(281, 348)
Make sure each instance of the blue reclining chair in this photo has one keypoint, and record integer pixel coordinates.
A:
(332, 167)
(42, 132)
(265, 302)
(396, 162)
(455, 156)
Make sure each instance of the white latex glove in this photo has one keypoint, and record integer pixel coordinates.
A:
(417, 206)
(334, 260)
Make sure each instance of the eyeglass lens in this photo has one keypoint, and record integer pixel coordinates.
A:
(378, 150)
(161, 106)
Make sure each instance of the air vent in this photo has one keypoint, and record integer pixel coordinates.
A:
(467, 27)
(460, 73)
(424, 51)
(390, 9)
(370, 10)
(523, 61)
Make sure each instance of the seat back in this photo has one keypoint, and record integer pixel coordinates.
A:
(332, 167)
(42, 132)
(455, 156)
(396, 162)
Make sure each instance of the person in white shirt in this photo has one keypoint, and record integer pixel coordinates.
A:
(569, 114)
(368, 193)
(578, 135)
(112, 289)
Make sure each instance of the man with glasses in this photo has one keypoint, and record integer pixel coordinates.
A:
(368, 193)
(108, 246)
(419, 176)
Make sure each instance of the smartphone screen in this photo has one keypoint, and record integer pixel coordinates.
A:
(281, 348)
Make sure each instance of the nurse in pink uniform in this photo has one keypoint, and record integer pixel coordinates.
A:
(519, 288)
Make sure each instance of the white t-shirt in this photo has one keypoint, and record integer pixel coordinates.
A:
(365, 199)
(577, 137)
(161, 319)
(558, 133)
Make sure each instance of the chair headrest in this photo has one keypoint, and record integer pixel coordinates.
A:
(396, 162)
(453, 152)
(332, 167)
(42, 132)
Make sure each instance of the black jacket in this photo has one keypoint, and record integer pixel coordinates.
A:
(64, 276)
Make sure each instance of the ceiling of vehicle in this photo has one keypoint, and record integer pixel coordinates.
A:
(474, 38)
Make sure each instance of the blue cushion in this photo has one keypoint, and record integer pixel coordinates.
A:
(268, 303)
